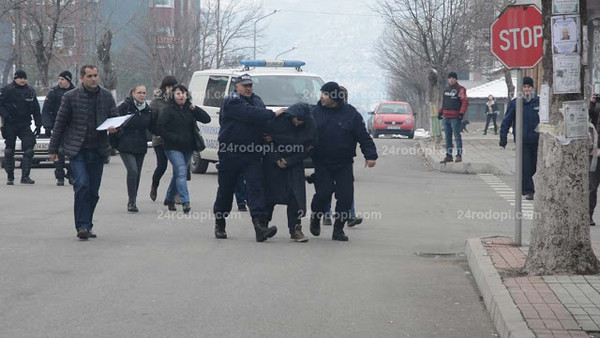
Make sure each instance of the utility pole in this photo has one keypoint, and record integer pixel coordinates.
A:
(18, 39)
(255, 22)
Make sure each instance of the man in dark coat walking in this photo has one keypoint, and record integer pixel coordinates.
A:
(339, 128)
(18, 103)
(49, 112)
(291, 137)
(82, 110)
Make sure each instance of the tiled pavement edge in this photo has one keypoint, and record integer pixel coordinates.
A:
(537, 306)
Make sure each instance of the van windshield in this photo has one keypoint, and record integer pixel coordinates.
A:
(393, 109)
(283, 91)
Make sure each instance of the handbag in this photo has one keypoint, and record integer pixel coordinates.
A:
(200, 144)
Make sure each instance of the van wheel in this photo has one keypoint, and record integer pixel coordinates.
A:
(197, 164)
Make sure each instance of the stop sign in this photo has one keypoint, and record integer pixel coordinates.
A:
(516, 36)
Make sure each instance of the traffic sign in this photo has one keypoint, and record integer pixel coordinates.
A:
(516, 36)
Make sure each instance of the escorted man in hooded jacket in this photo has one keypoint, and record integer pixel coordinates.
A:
(531, 119)
(243, 119)
(49, 112)
(18, 103)
(339, 128)
(291, 137)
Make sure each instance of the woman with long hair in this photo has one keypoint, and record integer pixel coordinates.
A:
(177, 126)
(131, 139)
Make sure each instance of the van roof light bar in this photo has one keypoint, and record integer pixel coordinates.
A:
(272, 63)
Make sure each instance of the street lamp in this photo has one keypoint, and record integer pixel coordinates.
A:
(287, 51)
(255, 22)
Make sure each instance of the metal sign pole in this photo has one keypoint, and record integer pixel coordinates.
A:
(519, 162)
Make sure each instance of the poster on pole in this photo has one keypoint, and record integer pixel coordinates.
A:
(565, 34)
(567, 74)
(565, 7)
(575, 115)
(544, 111)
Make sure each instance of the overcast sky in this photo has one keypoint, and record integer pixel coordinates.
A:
(335, 38)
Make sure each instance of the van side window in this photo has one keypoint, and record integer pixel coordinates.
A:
(215, 91)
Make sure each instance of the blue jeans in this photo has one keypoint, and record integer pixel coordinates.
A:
(86, 169)
(180, 161)
(452, 126)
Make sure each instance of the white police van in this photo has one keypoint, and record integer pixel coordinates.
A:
(279, 83)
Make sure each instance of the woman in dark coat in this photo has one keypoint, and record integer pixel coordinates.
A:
(292, 135)
(131, 139)
(179, 131)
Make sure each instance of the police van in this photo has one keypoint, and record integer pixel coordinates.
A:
(279, 83)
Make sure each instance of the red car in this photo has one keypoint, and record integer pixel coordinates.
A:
(394, 117)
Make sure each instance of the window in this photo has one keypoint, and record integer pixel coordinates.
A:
(162, 3)
(65, 37)
(283, 91)
(215, 91)
(394, 109)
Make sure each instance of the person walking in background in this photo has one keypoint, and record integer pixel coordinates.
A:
(18, 103)
(339, 128)
(491, 111)
(291, 135)
(594, 180)
(177, 126)
(131, 140)
(453, 109)
(82, 110)
(531, 119)
(49, 112)
(157, 106)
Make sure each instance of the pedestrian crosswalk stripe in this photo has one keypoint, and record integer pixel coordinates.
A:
(507, 193)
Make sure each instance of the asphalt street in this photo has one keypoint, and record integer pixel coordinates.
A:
(163, 274)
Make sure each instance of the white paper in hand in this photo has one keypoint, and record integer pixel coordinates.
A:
(114, 122)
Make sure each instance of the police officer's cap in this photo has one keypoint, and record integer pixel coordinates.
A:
(20, 74)
(244, 79)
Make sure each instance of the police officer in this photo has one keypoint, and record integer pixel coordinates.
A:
(18, 103)
(339, 128)
(49, 111)
(243, 120)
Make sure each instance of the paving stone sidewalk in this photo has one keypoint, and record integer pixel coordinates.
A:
(481, 154)
(552, 306)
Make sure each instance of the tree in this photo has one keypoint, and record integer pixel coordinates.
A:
(560, 238)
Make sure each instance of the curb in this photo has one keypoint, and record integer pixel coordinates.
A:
(508, 320)
(460, 168)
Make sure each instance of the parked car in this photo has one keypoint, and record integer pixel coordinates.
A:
(392, 117)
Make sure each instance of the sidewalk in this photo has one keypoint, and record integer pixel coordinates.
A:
(533, 306)
(481, 153)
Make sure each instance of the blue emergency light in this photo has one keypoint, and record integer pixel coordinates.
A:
(272, 63)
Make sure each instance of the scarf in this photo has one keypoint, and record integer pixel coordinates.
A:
(140, 106)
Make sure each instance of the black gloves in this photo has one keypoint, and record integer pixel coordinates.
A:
(37, 131)
(440, 116)
(460, 117)
(503, 141)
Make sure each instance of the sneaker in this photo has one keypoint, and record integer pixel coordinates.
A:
(27, 180)
(242, 207)
(83, 234)
(186, 207)
(354, 221)
(60, 183)
(446, 159)
(297, 235)
(458, 159)
(529, 197)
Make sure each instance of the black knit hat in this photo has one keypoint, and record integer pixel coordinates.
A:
(527, 81)
(452, 74)
(332, 89)
(20, 74)
(67, 75)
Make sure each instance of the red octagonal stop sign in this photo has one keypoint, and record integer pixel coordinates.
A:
(516, 36)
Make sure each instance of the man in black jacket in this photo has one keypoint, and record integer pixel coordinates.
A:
(243, 120)
(82, 110)
(339, 128)
(18, 103)
(49, 111)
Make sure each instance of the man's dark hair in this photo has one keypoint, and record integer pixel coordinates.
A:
(84, 67)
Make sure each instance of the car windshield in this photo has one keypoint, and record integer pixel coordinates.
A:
(393, 109)
(283, 91)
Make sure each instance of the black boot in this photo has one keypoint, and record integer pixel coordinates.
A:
(220, 228)
(262, 229)
(26, 167)
(11, 179)
(315, 224)
(338, 231)
(131, 207)
(27, 180)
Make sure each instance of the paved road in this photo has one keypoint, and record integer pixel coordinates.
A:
(158, 274)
